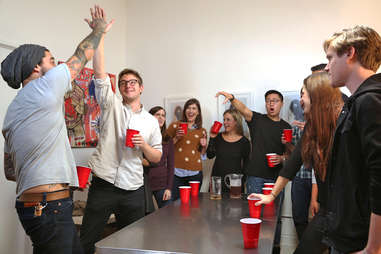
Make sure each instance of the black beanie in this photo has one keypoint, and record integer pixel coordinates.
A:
(19, 64)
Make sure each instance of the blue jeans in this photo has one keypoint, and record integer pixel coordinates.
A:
(54, 230)
(255, 184)
(159, 198)
(184, 181)
(301, 197)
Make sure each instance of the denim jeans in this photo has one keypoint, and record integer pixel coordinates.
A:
(52, 232)
(301, 197)
(159, 198)
(103, 199)
(255, 184)
(180, 181)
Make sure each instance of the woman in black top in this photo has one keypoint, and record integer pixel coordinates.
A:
(322, 105)
(230, 147)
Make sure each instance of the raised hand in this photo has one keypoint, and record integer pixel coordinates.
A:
(227, 96)
(98, 19)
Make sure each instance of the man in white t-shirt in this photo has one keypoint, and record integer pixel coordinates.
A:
(37, 151)
(117, 184)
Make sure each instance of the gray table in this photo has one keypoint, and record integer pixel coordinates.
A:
(203, 226)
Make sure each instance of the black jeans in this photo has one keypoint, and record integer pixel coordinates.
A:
(184, 181)
(301, 197)
(311, 241)
(54, 230)
(103, 199)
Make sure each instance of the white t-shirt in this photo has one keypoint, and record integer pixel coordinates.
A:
(35, 132)
(112, 160)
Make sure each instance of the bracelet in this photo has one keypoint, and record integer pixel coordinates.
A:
(272, 194)
(232, 99)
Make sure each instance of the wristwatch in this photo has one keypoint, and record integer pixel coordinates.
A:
(232, 98)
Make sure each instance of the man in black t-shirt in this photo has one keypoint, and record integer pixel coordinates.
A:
(265, 132)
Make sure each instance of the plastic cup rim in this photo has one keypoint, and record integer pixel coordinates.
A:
(194, 181)
(248, 198)
(250, 221)
(184, 187)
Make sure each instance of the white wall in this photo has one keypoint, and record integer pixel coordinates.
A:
(193, 47)
(59, 26)
(200, 47)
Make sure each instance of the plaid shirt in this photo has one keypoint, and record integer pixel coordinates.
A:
(304, 173)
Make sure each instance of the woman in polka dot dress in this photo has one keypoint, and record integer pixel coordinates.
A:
(190, 146)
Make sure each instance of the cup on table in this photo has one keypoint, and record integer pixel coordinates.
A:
(269, 157)
(269, 185)
(267, 191)
(250, 232)
(287, 134)
(185, 194)
(195, 202)
(255, 211)
(215, 187)
(195, 186)
(185, 210)
(83, 175)
(129, 135)
(184, 127)
(216, 127)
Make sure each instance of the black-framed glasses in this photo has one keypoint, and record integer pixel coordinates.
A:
(275, 101)
(130, 82)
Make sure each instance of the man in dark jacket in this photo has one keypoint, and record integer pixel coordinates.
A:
(354, 171)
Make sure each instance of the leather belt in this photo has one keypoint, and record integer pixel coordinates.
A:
(50, 196)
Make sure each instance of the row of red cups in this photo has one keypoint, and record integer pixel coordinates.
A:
(187, 191)
(251, 226)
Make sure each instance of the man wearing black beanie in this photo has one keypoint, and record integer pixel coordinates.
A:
(37, 153)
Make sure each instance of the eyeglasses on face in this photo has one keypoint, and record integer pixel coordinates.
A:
(274, 101)
(130, 82)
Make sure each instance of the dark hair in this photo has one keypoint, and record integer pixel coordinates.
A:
(274, 92)
(319, 67)
(132, 72)
(199, 116)
(164, 135)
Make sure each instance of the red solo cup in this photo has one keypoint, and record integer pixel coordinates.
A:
(216, 127)
(195, 186)
(250, 232)
(287, 134)
(255, 211)
(267, 191)
(129, 135)
(83, 176)
(185, 210)
(268, 212)
(269, 185)
(269, 162)
(185, 194)
(195, 202)
(184, 127)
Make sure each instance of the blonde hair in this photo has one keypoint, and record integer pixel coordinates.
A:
(238, 118)
(365, 41)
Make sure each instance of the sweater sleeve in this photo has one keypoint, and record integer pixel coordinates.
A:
(170, 164)
(171, 130)
(293, 164)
